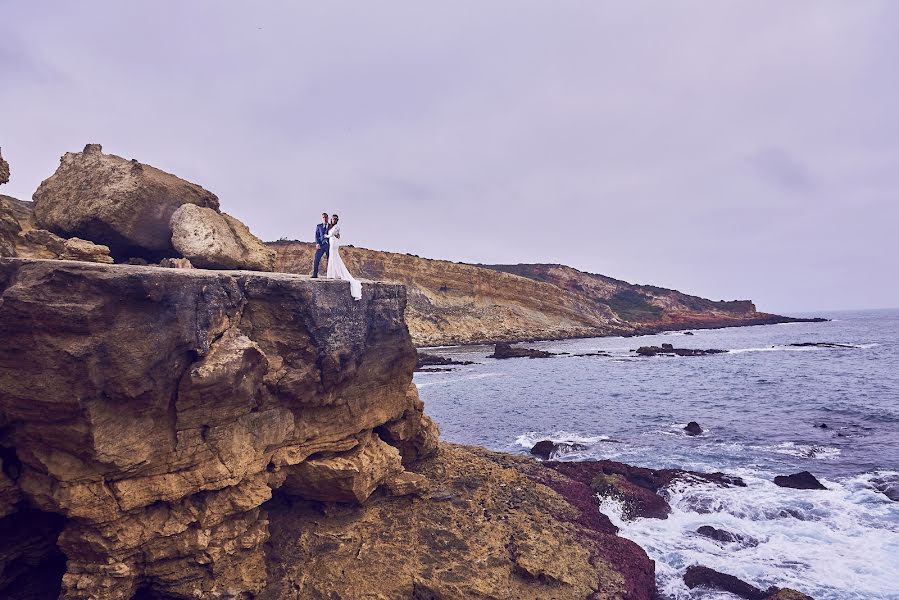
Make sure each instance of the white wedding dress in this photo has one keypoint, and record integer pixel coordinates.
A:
(336, 268)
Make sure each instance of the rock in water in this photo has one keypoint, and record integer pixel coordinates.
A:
(799, 481)
(4, 170)
(693, 428)
(213, 240)
(548, 448)
(699, 576)
(112, 201)
(504, 350)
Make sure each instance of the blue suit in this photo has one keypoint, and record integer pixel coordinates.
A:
(324, 246)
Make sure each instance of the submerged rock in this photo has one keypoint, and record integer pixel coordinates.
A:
(820, 345)
(693, 428)
(504, 350)
(727, 537)
(214, 240)
(799, 481)
(112, 201)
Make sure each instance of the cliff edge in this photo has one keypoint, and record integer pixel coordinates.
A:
(195, 434)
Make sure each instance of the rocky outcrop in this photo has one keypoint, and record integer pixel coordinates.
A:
(636, 488)
(503, 350)
(484, 530)
(668, 349)
(799, 481)
(158, 412)
(213, 240)
(120, 203)
(20, 236)
(455, 303)
(194, 434)
(426, 360)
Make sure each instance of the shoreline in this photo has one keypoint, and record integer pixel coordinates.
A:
(775, 320)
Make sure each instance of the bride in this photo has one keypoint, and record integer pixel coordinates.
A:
(336, 268)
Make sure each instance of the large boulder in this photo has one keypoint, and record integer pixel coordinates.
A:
(214, 240)
(117, 202)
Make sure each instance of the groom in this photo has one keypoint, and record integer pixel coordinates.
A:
(322, 244)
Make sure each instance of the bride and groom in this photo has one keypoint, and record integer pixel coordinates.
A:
(327, 243)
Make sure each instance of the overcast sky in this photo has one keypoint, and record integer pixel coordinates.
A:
(731, 149)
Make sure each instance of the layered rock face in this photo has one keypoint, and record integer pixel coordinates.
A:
(155, 410)
(454, 303)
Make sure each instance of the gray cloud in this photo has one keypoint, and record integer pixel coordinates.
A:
(735, 150)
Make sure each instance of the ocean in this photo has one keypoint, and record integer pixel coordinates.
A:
(761, 406)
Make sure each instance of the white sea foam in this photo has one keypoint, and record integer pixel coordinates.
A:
(836, 544)
(804, 450)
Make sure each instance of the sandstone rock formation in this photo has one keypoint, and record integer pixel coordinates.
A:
(157, 432)
(213, 240)
(454, 303)
(485, 530)
(20, 236)
(109, 200)
(169, 403)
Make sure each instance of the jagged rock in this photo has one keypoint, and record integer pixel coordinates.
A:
(548, 448)
(4, 170)
(693, 428)
(504, 350)
(787, 594)
(158, 408)
(115, 202)
(888, 485)
(414, 433)
(820, 345)
(799, 481)
(349, 476)
(174, 263)
(213, 240)
(31, 565)
(635, 487)
(464, 540)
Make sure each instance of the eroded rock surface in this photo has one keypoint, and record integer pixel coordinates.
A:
(485, 530)
(169, 403)
(214, 240)
(4, 170)
(120, 203)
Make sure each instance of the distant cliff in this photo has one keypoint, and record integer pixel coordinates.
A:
(456, 303)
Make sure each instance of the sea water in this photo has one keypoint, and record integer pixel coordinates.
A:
(761, 406)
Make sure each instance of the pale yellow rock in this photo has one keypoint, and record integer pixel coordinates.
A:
(349, 476)
(213, 240)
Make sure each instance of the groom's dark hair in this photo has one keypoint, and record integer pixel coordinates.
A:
(325, 215)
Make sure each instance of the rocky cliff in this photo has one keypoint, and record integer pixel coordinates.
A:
(148, 417)
(456, 303)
